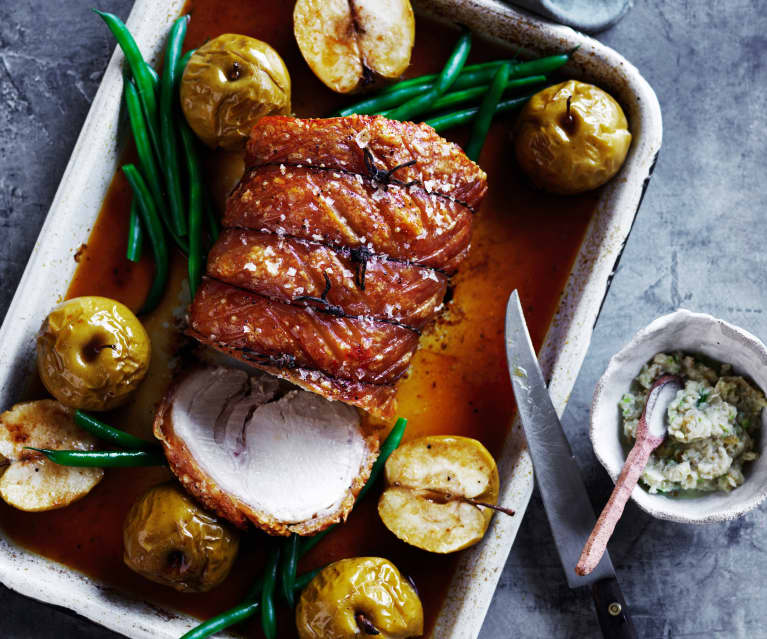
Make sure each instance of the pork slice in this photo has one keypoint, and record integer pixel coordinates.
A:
(370, 145)
(290, 463)
(311, 274)
(284, 336)
(345, 210)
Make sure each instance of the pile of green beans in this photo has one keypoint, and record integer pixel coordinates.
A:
(141, 453)
(160, 207)
(261, 595)
(435, 96)
(423, 102)
(244, 611)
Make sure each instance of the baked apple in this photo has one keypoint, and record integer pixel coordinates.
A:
(229, 84)
(358, 597)
(92, 353)
(169, 539)
(571, 137)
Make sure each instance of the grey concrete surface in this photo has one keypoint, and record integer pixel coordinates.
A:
(698, 243)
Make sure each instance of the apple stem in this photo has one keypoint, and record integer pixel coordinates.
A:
(437, 496)
(500, 509)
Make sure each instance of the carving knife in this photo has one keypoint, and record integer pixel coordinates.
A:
(559, 481)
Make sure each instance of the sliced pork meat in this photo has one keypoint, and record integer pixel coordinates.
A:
(289, 462)
(281, 335)
(372, 146)
(347, 210)
(312, 274)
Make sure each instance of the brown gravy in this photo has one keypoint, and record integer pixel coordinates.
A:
(458, 382)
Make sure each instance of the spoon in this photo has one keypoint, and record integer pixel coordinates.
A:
(650, 434)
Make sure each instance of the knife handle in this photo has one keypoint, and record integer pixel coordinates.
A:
(612, 610)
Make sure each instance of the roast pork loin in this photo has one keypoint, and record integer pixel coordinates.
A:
(339, 240)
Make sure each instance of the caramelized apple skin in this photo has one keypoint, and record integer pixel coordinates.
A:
(351, 597)
(229, 84)
(92, 353)
(571, 137)
(169, 539)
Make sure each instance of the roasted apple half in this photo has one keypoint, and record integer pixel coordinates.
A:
(348, 43)
(440, 492)
(286, 460)
(29, 481)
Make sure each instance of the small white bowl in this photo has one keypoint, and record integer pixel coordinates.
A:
(692, 333)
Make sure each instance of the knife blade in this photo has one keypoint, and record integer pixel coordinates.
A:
(564, 495)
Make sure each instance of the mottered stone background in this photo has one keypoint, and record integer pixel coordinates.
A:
(699, 242)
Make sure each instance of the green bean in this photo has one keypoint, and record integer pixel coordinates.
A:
(239, 613)
(483, 72)
(387, 448)
(109, 433)
(255, 589)
(455, 98)
(302, 581)
(431, 77)
(140, 70)
(268, 614)
(221, 622)
(421, 103)
(288, 570)
(168, 134)
(103, 458)
(457, 118)
(194, 263)
(143, 148)
(484, 117)
(154, 74)
(156, 237)
(135, 234)
(384, 100)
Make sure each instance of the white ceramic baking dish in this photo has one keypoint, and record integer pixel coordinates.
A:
(77, 204)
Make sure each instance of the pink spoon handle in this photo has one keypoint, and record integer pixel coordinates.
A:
(648, 438)
(603, 530)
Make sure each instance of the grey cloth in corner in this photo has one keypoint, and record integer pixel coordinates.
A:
(590, 16)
